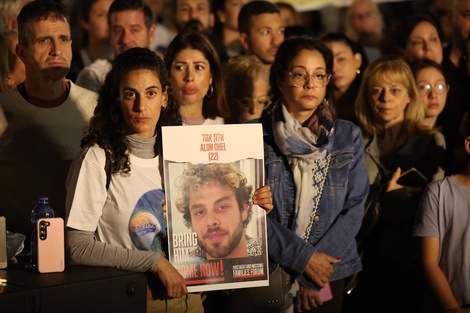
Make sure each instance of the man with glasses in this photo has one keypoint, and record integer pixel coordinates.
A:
(364, 24)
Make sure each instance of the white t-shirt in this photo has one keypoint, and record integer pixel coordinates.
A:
(92, 76)
(216, 121)
(203, 121)
(444, 212)
(129, 214)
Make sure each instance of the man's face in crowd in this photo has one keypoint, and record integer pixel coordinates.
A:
(49, 50)
(461, 21)
(217, 219)
(365, 18)
(128, 30)
(200, 10)
(229, 15)
(265, 36)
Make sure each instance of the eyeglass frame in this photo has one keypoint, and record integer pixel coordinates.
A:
(306, 79)
(362, 16)
(252, 100)
(432, 88)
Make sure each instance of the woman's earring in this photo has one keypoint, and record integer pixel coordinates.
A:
(211, 91)
(358, 71)
(10, 81)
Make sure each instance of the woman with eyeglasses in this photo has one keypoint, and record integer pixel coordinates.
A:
(247, 81)
(432, 88)
(315, 166)
(402, 156)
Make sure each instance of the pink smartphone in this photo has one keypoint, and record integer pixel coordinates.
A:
(3, 243)
(50, 245)
(325, 293)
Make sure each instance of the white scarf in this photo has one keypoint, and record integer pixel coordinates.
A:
(308, 159)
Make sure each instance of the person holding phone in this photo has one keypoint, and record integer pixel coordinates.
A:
(390, 114)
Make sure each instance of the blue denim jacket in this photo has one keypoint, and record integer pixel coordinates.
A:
(340, 210)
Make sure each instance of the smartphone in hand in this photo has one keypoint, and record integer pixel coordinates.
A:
(326, 293)
(412, 178)
(50, 245)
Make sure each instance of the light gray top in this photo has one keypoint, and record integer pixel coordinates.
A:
(444, 212)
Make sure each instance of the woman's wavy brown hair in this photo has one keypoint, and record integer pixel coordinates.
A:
(108, 128)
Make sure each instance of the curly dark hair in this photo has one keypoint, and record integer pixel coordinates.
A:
(228, 174)
(353, 45)
(108, 128)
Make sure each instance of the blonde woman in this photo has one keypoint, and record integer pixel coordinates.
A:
(390, 114)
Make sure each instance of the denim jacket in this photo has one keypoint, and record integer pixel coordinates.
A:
(340, 210)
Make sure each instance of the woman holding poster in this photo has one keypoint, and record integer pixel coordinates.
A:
(114, 213)
(317, 173)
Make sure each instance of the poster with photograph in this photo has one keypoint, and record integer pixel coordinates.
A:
(216, 236)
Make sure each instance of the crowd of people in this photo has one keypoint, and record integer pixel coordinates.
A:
(365, 129)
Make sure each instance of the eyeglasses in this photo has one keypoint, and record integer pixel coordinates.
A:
(246, 102)
(363, 16)
(439, 88)
(301, 79)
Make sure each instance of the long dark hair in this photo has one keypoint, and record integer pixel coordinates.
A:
(215, 105)
(353, 45)
(108, 128)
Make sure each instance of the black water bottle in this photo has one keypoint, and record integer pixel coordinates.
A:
(41, 210)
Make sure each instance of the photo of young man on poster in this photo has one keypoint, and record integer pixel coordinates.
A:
(216, 229)
(214, 200)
